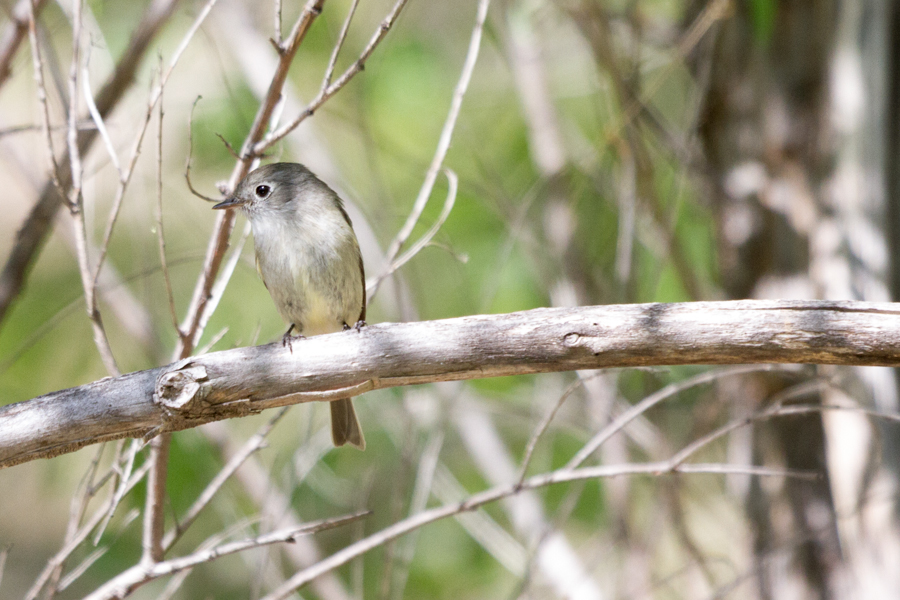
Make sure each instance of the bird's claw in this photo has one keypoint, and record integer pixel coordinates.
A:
(359, 325)
(287, 339)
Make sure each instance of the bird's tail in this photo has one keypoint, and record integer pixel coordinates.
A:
(345, 427)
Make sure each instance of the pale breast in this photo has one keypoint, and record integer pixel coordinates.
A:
(311, 269)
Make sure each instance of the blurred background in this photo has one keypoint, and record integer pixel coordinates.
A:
(607, 151)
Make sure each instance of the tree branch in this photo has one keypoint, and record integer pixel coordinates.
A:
(15, 33)
(243, 381)
(31, 235)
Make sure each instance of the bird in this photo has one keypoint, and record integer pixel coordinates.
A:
(308, 257)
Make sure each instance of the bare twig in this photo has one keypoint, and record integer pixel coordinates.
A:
(128, 581)
(155, 97)
(593, 21)
(154, 518)
(453, 182)
(22, 15)
(32, 233)
(329, 71)
(444, 141)
(208, 346)
(257, 148)
(77, 539)
(41, 88)
(480, 525)
(98, 118)
(221, 283)
(228, 146)
(187, 166)
(200, 308)
(76, 202)
(154, 515)
(160, 231)
(83, 566)
(77, 508)
(770, 413)
(545, 423)
(277, 28)
(15, 129)
(555, 555)
(252, 445)
(426, 517)
(124, 477)
(422, 490)
(275, 503)
(655, 398)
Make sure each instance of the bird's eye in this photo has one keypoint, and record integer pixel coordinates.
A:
(262, 191)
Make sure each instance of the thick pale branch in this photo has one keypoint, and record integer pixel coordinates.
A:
(242, 381)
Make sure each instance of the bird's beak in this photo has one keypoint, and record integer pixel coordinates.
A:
(230, 203)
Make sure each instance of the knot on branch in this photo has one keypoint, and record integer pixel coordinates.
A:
(180, 388)
(587, 341)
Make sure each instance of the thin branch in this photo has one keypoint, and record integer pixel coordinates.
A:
(154, 515)
(76, 541)
(221, 283)
(275, 503)
(277, 39)
(229, 147)
(561, 568)
(32, 233)
(187, 166)
(41, 88)
(154, 521)
(594, 24)
(15, 129)
(655, 398)
(257, 148)
(208, 346)
(252, 445)
(545, 423)
(329, 71)
(76, 202)
(155, 96)
(83, 566)
(770, 413)
(444, 140)
(21, 17)
(423, 487)
(77, 507)
(453, 182)
(200, 308)
(98, 118)
(427, 517)
(482, 527)
(216, 539)
(160, 231)
(128, 581)
(124, 476)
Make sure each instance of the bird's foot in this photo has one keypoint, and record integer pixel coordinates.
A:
(287, 339)
(359, 325)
